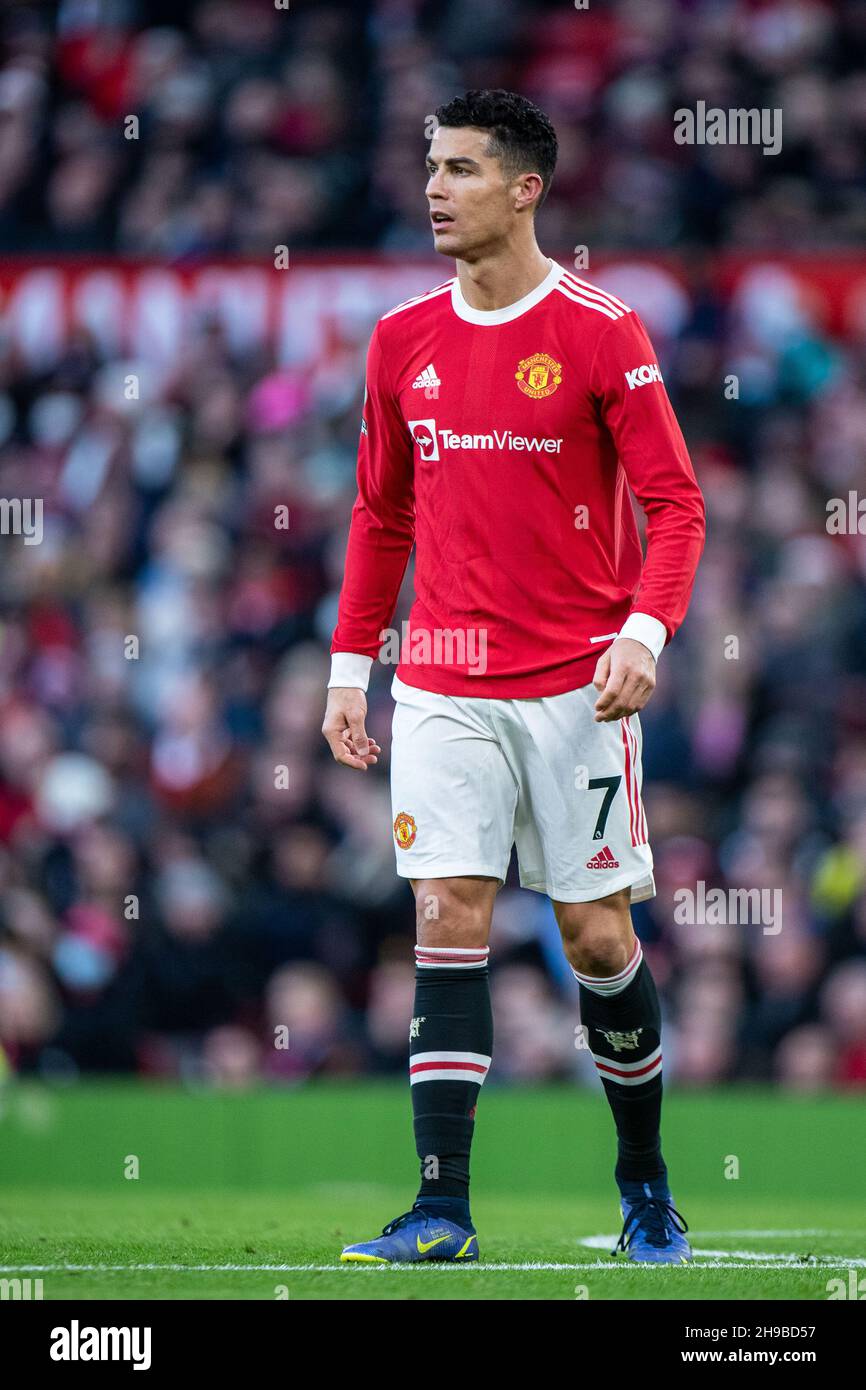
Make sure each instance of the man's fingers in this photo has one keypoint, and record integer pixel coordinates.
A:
(611, 692)
(359, 734)
(373, 749)
(631, 681)
(343, 728)
(341, 752)
(371, 742)
(630, 697)
(344, 753)
(629, 694)
(349, 760)
(602, 670)
(350, 756)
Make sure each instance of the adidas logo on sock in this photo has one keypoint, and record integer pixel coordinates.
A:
(426, 378)
(603, 860)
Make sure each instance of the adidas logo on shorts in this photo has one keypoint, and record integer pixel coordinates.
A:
(603, 860)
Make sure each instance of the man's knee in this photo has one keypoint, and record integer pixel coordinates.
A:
(454, 911)
(597, 937)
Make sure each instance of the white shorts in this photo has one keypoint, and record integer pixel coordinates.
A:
(471, 776)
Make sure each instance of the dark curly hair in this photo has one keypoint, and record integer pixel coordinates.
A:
(521, 136)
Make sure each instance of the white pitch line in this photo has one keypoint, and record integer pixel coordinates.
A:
(760, 1235)
(755, 1256)
(289, 1269)
(762, 1257)
(709, 1259)
(526, 1266)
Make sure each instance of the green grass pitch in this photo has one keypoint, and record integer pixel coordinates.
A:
(151, 1192)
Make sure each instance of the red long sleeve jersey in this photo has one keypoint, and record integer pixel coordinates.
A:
(502, 444)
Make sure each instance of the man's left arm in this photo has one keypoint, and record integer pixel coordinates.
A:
(626, 380)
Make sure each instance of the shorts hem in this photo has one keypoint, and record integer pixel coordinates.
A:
(449, 870)
(572, 895)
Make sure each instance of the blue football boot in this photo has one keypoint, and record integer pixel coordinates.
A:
(653, 1229)
(416, 1236)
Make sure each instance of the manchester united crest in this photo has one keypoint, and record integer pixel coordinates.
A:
(405, 830)
(621, 1042)
(538, 375)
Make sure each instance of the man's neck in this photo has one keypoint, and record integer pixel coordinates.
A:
(497, 281)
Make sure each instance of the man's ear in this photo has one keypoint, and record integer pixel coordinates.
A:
(529, 189)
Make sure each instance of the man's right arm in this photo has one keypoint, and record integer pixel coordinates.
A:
(381, 536)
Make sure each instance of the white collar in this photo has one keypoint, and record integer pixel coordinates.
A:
(489, 317)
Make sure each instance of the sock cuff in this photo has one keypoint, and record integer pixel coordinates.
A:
(612, 984)
(451, 957)
(442, 1065)
(629, 1073)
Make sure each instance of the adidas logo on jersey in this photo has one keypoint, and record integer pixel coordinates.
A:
(426, 378)
(603, 860)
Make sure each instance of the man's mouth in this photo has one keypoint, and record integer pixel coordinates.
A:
(440, 220)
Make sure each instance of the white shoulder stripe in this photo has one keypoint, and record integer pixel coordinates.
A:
(589, 303)
(593, 292)
(419, 299)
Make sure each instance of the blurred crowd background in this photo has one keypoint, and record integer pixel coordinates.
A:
(260, 124)
(184, 870)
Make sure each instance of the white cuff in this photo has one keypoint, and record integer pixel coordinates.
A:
(350, 669)
(642, 628)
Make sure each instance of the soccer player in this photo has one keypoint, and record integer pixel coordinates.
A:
(507, 415)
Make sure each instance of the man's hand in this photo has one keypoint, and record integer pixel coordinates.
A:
(626, 677)
(344, 728)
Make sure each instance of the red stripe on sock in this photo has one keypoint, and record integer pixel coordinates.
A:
(447, 1066)
(605, 1066)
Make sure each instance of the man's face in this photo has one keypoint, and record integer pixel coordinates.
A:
(471, 204)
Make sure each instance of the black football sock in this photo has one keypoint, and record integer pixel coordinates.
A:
(450, 1042)
(623, 1021)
